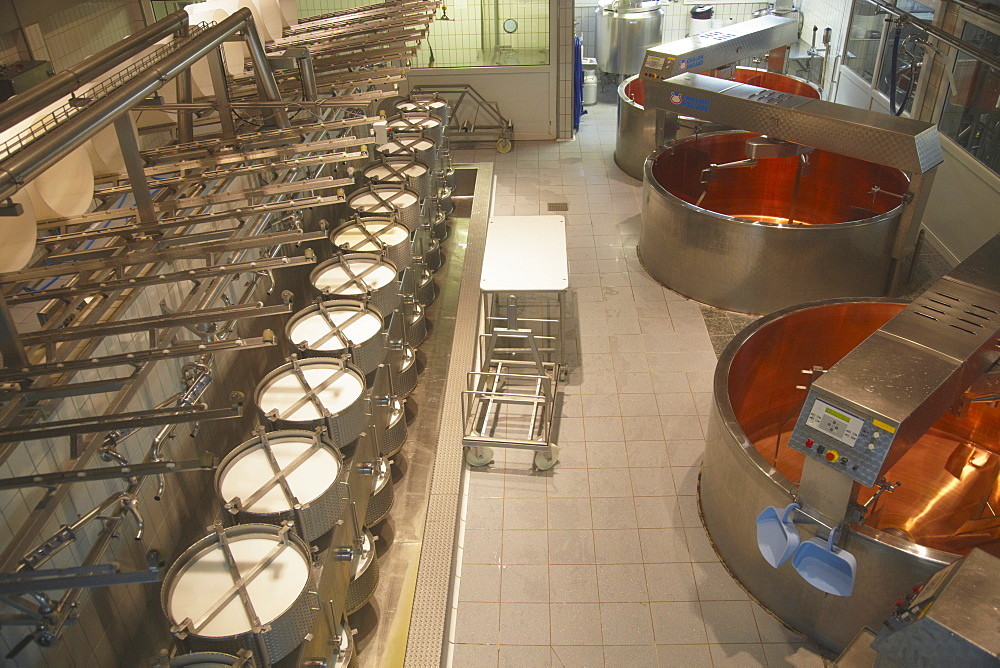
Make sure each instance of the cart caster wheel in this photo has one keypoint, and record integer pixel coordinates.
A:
(479, 455)
(503, 145)
(546, 460)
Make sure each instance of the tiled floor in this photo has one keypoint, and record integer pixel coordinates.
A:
(603, 560)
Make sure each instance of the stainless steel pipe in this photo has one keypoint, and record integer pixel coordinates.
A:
(65, 82)
(42, 153)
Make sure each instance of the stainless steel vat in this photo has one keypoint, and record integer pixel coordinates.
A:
(624, 31)
(361, 276)
(737, 250)
(949, 476)
(278, 579)
(339, 327)
(319, 391)
(637, 126)
(306, 494)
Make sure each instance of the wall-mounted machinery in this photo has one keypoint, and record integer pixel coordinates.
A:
(735, 260)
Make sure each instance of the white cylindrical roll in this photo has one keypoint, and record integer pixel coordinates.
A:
(270, 14)
(64, 190)
(234, 53)
(289, 12)
(258, 19)
(19, 234)
(104, 152)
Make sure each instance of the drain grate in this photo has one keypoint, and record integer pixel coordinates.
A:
(558, 206)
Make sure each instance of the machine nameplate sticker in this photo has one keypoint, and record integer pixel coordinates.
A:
(654, 62)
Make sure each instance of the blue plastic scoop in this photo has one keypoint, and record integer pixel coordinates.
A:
(777, 537)
(825, 566)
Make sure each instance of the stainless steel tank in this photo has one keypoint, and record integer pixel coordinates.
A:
(729, 243)
(949, 476)
(637, 125)
(625, 29)
(275, 569)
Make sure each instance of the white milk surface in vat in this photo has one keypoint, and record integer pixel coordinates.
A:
(356, 240)
(335, 277)
(312, 477)
(204, 581)
(381, 172)
(369, 203)
(314, 327)
(286, 391)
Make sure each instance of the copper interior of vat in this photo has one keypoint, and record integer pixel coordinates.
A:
(775, 81)
(635, 90)
(950, 492)
(833, 188)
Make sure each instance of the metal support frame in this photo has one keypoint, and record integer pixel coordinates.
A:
(473, 131)
(144, 207)
(217, 70)
(105, 473)
(88, 577)
(104, 423)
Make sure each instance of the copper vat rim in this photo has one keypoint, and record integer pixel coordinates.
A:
(647, 178)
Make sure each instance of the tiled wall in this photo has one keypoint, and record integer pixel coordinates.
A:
(70, 35)
(12, 47)
(474, 34)
(824, 14)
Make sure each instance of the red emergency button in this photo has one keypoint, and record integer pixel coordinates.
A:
(809, 442)
(832, 455)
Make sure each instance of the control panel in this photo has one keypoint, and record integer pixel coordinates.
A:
(844, 438)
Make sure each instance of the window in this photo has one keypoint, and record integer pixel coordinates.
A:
(908, 56)
(867, 24)
(470, 33)
(971, 116)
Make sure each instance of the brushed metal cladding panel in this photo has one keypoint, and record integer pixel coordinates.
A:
(636, 134)
(917, 365)
(867, 135)
(722, 46)
(750, 268)
(980, 268)
(958, 627)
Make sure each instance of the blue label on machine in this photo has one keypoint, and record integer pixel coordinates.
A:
(689, 101)
(687, 63)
